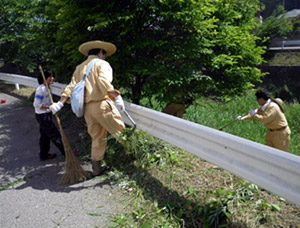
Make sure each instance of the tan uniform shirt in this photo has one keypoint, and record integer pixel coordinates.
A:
(98, 82)
(272, 117)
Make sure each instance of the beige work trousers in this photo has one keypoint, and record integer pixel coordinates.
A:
(101, 117)
(279, 139)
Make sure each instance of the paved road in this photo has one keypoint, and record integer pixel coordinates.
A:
(32, 196)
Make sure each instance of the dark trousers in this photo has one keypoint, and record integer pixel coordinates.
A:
(48, 132)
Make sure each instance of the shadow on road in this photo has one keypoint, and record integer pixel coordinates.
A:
(19, 151)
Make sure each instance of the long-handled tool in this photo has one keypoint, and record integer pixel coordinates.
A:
(229, 123)
(74, 172)
(132, 121)
(226, 125)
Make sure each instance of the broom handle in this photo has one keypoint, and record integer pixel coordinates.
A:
(51, 99)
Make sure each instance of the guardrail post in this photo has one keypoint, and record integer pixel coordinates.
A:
(17, 86)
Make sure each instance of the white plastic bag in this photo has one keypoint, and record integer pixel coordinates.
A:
(77, 98)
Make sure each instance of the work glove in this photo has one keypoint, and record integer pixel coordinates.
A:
(252, 112)
(120, 103)
(240, 118)
(55, 107)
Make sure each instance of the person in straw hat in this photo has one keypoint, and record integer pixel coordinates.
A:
(101, 113)
(271, 114)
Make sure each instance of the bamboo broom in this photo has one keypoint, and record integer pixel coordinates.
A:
(74, 172)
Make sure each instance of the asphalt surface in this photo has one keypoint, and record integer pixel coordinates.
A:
(30, 193)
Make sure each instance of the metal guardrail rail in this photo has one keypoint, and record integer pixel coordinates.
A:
(56, 88)
(271, 169)
(284, 45)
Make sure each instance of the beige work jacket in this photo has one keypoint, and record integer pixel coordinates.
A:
(98, 82)
(272, 117)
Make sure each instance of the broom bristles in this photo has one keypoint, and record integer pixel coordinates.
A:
(74, 172)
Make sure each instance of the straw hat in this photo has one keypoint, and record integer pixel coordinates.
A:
(87, 46)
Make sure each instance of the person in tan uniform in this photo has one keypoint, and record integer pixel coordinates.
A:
(101, 99)
(271, 114)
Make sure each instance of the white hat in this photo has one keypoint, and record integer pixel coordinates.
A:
(87, 46)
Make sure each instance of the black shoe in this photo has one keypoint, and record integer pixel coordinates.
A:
(49, 156)
(102, 169)
(98, 168)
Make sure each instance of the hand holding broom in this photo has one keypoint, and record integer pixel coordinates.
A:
(74, 172)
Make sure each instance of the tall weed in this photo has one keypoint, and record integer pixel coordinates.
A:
(139, 149)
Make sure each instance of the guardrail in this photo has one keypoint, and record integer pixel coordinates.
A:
(271, 169)
(56, 87)
(283, 48)
(285, 45)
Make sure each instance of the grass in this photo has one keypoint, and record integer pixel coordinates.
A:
(291, 58)
(24, 92)
(216, 115)
(168, 187)
(10, 184)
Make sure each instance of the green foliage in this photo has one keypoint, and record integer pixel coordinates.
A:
(246, 191)
(191, 211)
(140, 150)
(174, 50)
(217, 114)
(146, 216)
(223, 201)
(10, 184)
(296, 24)
(26, 33)
(292, 114)
(285, 59)
(215, 213)
(194, 47)
(274, 26)
(94, 214)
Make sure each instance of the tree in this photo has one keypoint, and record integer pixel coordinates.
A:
(274, 26)
(25, 32)
(169, 50)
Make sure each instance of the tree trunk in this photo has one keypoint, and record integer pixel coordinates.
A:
(137, 90)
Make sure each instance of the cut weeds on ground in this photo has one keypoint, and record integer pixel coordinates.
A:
(168, 187)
